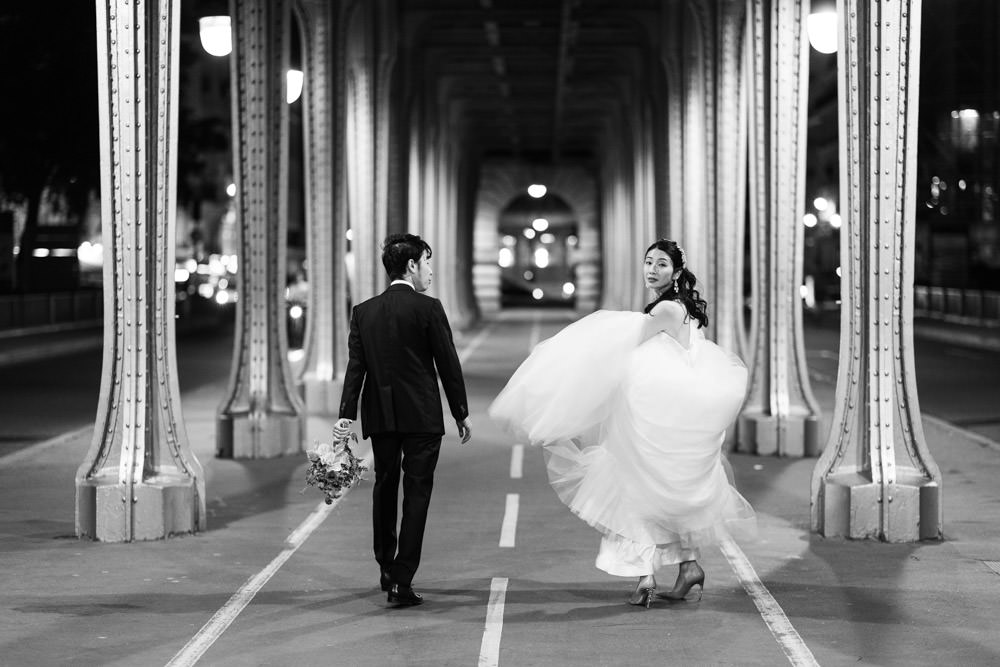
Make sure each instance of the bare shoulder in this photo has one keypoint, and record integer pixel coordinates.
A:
(670, 309)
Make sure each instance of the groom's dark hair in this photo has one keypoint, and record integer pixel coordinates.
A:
(399, 249)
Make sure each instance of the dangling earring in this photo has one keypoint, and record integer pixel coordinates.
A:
(675, 287)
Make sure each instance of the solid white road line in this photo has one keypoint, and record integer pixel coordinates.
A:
(517, 461)
(28, 452)
(788, 638)
(509, 529)
(489, 651)
(223, 618)
(467, 351)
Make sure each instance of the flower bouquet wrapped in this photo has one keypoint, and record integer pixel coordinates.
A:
(333, 468)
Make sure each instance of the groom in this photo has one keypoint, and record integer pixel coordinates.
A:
(397, 338)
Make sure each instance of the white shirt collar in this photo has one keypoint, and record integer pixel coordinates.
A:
(403, 282)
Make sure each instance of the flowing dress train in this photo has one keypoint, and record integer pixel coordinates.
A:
(632, 432)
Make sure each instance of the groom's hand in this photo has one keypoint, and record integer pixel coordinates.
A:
(341, 429)
(465, 430)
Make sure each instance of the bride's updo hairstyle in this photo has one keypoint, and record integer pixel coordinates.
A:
(683, 289)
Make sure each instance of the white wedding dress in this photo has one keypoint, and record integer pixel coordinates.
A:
(632, 432)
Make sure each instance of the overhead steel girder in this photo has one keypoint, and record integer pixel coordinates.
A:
(261, 415)
(781, 415)
(139, 480)
(876, 478)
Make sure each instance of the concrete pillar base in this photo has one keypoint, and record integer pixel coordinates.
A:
(322, 397)
(258, 435)
(161, 506)
(854, 506)
(767, 435)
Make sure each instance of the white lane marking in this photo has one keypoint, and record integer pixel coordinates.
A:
(536, 332)
(489, 651)
(516, 461)
(223, 618)
(788, 638)
(509, 529)
(467, 351)
(28, 452)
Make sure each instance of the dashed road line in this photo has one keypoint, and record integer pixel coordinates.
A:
(517, 461)
(508, 530)
(788, 638)
(536, 332)
(489, 651)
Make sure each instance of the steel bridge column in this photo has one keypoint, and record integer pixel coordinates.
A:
(139, 480)
(876, 478)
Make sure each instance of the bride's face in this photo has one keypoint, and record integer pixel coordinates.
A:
(657, 270)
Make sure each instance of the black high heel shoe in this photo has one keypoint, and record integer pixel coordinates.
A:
(685, 583)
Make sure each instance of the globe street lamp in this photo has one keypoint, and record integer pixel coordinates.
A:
(216, 35)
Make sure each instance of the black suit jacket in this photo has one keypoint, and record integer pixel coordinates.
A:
(396, 340)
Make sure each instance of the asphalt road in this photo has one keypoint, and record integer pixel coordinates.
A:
(78, 602)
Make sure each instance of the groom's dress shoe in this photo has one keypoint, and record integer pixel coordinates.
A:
(385, 582)
(404, 596)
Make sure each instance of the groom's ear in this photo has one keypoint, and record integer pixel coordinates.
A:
(411, 266)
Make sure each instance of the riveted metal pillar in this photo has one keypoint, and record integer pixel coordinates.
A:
(368, 275)
(139, 480)
(261, 415)
(781, 415)
(326, 331)
(699, 115)
(729, 194)
(876, 478)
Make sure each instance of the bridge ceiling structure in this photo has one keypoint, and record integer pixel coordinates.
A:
(538, 80)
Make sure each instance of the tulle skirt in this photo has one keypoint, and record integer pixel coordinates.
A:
(632, 432)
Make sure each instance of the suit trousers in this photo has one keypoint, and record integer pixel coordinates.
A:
(416, 454)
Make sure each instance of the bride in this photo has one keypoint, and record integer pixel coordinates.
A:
(631, 409)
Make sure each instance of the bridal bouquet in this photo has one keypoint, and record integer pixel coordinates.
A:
(333, 468)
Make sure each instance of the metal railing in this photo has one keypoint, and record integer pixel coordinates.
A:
(50, 310)
(962, 306)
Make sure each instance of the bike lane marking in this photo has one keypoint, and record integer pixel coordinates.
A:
(785, 634)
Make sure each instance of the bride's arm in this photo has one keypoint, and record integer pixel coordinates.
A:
(666, 316)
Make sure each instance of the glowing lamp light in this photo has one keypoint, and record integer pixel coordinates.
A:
(822, 28)
(537, 294)
(838, 272)
(547, 238)
(569, 289)
(536, 190)
(506, 258)
(540, 224)
(231, 189)
(40, 252)
(541, 258)
(216, 33)
(295, 312)
(836, 221)
(206, 291)
(809, 220)
(529, 233)
(90, 255)
(820, 203)
(293, 85)
(350, 234)
(181, 275)
(222, 297)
